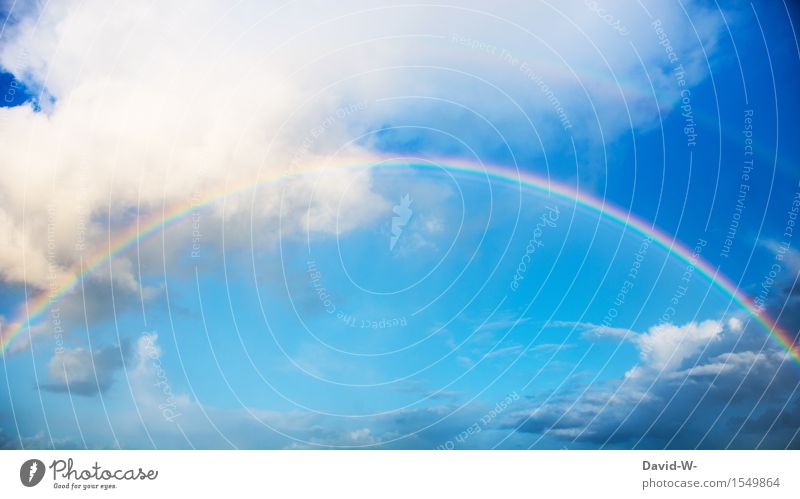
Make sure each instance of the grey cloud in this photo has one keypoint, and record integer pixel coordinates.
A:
(84, 372)
(727, 391)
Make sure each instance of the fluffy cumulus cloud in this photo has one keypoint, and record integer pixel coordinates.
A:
(707, 384)
(147, 105)
(665, 347)
(152, 105)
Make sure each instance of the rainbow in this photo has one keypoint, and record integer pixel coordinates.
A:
(32, 311)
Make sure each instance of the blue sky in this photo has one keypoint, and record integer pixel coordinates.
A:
(284, 316)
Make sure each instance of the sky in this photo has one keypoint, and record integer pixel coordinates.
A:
(298, 225)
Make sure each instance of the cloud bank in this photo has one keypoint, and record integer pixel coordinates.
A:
(152, 104)
(734, 385)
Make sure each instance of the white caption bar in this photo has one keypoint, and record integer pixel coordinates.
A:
(370, 474)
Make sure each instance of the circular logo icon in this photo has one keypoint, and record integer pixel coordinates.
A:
(31, 472)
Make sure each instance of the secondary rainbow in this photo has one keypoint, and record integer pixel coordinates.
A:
(32, 311)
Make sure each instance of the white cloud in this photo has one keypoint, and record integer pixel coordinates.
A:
(725, 363)
(735, 324)
(156, 103)
(667, 346)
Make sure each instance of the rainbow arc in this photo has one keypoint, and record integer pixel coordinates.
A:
(31, 312)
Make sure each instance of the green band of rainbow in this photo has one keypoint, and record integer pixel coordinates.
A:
(33, 310)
